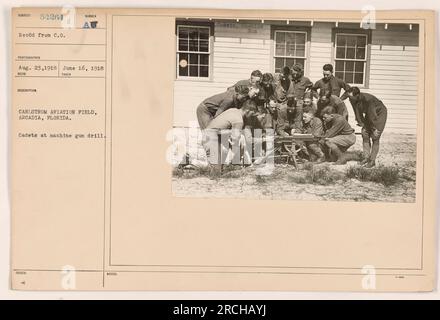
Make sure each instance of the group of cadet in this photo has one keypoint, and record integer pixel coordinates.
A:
(289, 103)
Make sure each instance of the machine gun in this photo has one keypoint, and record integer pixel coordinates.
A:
(287, 148)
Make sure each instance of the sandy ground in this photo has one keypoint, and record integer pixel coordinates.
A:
(396, 150)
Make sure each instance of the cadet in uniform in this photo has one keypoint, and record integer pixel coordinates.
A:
(339, 135)
(309, 104)
(313, 125)
(285, 98)
(265, 101)
(327, 99)
(229, 124)
(215, 105)
(254, 80)
(330, 83)
(300, 85)
(371, 115)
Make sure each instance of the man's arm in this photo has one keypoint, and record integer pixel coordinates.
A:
(240, 83)
(371, 114)
(337, 125)
(344, 86)
(290, 93)
(261, 97)
(279, 93)
(317, 128)
(357, 112)
(342, 109)
(315, 88)
(273, 95)
(308, 84)
(225, 104)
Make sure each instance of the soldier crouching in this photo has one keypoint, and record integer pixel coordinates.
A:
(338, 137)
(312, 125)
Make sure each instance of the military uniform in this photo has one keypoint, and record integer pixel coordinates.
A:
(371, 114)
(334, 84)
(314, 127)
(263, 97)
(334, 102)
(300, 85)
(229, 125)
(338, 138)
(284, 97)
(215, 105)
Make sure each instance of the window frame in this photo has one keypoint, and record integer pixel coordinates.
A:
(192, 24)
(293, 29)
(366, 60)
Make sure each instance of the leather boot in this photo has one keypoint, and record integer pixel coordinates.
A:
(320, 159)
(370, 164)
(342, 159)
(337, 154)
(316, 150)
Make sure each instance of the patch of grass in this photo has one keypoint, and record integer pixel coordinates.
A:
(386, 175)
(279, 173)
(408, 174)
(322, 175)
(260, 179)
(311, 174)
(408, 171)
(211, 172)
(357, 172)
(234, 171)
(298, 178)
(308, 166)
(177, 172)
(410, 163)
(357, 155)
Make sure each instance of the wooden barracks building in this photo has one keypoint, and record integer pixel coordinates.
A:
(212, 55)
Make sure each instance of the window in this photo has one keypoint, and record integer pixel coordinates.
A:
(351, 57)
(193, 50)
(290, 48)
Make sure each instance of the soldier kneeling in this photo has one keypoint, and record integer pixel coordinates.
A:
(339, 135)
(312, 125)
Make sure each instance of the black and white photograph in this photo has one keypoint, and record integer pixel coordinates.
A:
(263, 150)
(295, 109)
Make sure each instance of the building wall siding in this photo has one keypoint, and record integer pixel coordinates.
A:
(320, 49)
(239, 48)
(394, 76)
